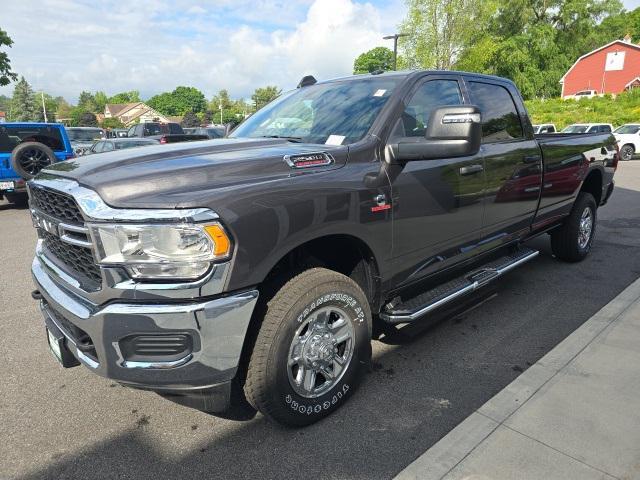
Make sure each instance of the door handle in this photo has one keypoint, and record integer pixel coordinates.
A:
(532, 159)
(471, 169)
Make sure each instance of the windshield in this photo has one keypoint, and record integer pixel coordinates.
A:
(337, 113)
(627, 129)
(575, 129)
(84, 135)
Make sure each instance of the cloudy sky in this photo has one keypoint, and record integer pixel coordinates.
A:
(66, 46)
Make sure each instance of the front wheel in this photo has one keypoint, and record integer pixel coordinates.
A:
(572, 241)
(312, 348)
(627, 152)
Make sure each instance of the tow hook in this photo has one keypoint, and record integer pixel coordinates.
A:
(36, 295)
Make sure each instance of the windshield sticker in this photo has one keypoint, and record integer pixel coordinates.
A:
(379, 93)
(335, 140)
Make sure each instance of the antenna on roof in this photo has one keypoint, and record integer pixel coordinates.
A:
(306, 81)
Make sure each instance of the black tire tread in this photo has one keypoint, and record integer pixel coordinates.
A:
(301, 285)
(564, 239)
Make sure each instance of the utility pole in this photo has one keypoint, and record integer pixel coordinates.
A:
(44, 108)
(220, 107)
(395, 37)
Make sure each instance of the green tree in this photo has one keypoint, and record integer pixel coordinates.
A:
(87, 102)
(5, 103)
(88, 119)
(379, 58)
(190, 119)
(100, 99)
(178, 102)
(23, 105)
(112, 122)
(6, 75)
(63, 111)
(131, 96)
(534, 42)
(50, 103)
(263, 95)
(439, 30)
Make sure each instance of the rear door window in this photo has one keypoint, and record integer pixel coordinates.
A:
(500, 119)
(12, 135)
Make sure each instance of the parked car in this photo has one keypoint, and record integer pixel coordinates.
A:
(163, 132)
(119, 144)
(25, 149)
(544, 128)
(116, 133)
(211, 132)
(628, 137)
(588, 128)
(254, 271)
(583, 94)
(82, 138)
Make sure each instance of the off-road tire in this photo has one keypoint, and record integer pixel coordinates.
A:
(29, 166)
(267, 387)
(565, 239)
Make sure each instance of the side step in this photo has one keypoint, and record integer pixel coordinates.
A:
(430, 300)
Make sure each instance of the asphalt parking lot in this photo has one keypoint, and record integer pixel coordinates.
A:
(69, 424)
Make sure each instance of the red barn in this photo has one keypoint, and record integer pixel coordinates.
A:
(612, 69)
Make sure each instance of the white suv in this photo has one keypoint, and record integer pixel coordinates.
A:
(628, 137)
(588, 128)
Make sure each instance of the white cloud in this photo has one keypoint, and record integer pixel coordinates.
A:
(65, 47)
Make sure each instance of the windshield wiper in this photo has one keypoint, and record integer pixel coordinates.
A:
(284, 137)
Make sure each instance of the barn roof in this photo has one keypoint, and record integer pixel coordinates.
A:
(621, 42)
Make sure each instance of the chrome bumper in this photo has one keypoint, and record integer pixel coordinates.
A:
(218, 328)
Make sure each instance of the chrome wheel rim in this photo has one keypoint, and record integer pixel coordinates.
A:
(586, 228)
(627, 153)
(33, 160)
(320, 352)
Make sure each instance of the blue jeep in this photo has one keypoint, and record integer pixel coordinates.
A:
(25, 149)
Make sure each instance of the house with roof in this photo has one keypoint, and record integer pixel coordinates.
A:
(610, 69)
(131, 113)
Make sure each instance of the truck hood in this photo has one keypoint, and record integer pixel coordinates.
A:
(181, 174)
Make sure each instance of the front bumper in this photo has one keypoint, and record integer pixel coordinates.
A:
(217, 327)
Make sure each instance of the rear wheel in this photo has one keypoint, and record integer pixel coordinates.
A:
(312, 348)
(28, 158)
(572, 241)
(627, 152)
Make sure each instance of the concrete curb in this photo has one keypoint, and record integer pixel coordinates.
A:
(442, 457)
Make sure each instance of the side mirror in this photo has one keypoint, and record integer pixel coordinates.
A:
(452, 131)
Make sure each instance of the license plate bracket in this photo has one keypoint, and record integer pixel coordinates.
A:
(58, 346)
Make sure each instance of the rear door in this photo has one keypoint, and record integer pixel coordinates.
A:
(437, 203)
(512, 160)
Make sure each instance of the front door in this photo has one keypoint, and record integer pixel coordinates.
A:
(513, 165)
(437, 207)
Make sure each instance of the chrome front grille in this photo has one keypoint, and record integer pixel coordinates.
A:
(57, 204)
(65, 239)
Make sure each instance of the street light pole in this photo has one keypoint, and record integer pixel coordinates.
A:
(395, 37)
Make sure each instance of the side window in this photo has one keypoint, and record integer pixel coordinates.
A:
(108, 146)
(605, 129)
(500, 119)
(131, 132)
(429, 96)
(97, 147)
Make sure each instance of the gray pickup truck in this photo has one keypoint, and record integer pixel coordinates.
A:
(252, 272)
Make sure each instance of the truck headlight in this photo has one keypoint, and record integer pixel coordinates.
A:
(183, 251)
